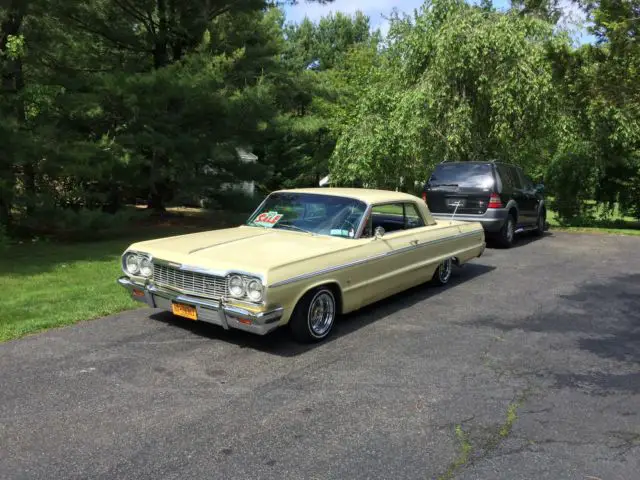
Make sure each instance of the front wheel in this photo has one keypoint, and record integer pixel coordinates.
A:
(442, 275)
(314, 316)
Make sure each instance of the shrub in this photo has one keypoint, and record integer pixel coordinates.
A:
(571, 179)
(80, 224)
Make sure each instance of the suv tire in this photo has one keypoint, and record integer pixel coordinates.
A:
(540, 223)
(507, 232)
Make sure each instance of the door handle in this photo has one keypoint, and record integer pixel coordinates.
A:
(414, 242)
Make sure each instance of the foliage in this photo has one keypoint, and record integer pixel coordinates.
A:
(457, 83)
(111, 102)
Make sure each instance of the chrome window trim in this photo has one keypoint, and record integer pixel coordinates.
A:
(335, 268)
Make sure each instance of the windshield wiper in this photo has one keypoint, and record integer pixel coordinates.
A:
(445, 185)
(295, 227)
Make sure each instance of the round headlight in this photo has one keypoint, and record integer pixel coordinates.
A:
(254, 291)
(146, 267)
(132, 263)
(236, 286)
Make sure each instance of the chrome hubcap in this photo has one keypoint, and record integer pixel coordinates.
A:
(444, 271)
(322, 312)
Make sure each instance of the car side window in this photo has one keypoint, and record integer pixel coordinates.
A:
(412, 216)
(517, 181)
(505, 177)
(526, 181)
(509, 177)
(389, 216)
(394, 217)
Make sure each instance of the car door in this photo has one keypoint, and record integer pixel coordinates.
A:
(390, 272)
(512, 190)
(529, 207)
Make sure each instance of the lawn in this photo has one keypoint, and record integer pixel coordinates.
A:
(50, 284)
(614, 223)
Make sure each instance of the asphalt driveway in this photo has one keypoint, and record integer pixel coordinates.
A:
(527, 366)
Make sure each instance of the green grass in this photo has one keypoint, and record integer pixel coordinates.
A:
(615, 223)
(49, 284)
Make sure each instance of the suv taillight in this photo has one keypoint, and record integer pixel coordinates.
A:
(424, 196)
(494, 201)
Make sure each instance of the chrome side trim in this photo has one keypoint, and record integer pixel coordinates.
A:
(306, 276)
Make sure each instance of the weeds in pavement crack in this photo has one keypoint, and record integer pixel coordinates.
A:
(463, 457)
(470, 453)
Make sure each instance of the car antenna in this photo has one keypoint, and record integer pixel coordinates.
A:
(454, 212)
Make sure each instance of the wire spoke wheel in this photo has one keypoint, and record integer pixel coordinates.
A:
(444, 271)
(322, 312)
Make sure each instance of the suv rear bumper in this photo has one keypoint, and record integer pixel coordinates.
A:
(492, 220)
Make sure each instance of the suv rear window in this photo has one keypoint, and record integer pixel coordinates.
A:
(462, 175)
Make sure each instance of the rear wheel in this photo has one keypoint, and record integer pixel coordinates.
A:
(542, 218)
(442, 275)
(314, 316)
(507, 232)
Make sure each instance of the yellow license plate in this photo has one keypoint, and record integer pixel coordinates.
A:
(186, 311)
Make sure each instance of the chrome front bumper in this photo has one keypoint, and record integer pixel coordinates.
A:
(210, 311)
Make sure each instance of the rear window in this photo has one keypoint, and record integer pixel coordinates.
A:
(462, 175)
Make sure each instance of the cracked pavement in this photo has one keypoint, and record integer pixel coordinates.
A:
(530, 355)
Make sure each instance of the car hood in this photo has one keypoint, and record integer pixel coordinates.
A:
(249, 249)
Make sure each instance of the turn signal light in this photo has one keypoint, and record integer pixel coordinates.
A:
(494, 201)
(244, 321)
(138, 293)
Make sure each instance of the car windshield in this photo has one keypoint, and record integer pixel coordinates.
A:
(311, 213)
(462, 175)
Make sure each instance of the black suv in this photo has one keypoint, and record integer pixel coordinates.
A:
(498, 195)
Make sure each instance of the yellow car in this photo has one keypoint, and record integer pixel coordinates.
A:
(301, 259)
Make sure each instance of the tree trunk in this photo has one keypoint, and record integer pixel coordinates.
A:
(6, 218)
(160, 53)
(155, 201)
(12, 83)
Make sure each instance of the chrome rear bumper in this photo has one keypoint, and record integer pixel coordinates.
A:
(210, 311)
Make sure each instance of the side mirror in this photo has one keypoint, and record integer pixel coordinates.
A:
(540, 188)
(378, 232)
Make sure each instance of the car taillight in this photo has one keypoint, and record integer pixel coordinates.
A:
(424, 196)
(494, 201)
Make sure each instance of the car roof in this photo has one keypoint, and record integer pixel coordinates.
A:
(478, 163)
(365, 194)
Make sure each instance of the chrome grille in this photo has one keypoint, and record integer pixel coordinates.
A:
(190, 282)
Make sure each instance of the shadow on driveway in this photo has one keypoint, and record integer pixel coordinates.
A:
(280, 342)
(602, 319)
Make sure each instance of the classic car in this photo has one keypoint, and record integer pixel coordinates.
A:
(302, 258)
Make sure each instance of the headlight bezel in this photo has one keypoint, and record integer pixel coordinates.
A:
(259, 289)
(244, 296)
(139, 258)
(238, 281)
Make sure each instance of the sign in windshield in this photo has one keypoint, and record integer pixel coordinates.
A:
(310, 213)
